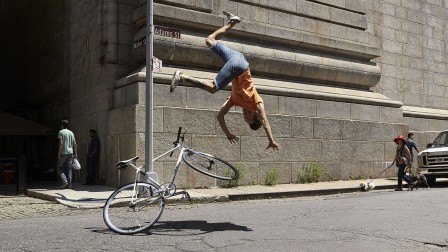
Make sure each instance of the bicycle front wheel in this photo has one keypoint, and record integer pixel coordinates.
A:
(210, 165)
(129, 211)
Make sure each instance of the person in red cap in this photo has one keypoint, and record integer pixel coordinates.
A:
(402, 160)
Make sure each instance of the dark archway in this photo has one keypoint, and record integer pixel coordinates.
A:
(34, 77)
(33, 59)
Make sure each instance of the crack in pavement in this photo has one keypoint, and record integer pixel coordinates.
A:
(404, 241)
(436, 244)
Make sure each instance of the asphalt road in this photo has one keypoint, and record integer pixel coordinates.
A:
(368, 221)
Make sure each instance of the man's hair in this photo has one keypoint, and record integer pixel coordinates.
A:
(92, 131)
(256, 124)
(64, 124)
(410, 134)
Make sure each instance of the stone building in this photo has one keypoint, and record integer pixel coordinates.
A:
(340, 79)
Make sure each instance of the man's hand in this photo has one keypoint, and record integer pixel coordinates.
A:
(274, 146)
(232, 138)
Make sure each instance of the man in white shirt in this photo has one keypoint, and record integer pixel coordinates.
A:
(66, 151)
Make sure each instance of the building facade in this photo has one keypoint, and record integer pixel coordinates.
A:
(339, 78)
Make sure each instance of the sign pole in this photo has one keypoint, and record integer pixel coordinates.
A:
(149, 91)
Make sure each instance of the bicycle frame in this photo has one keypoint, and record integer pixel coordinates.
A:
(151, 195)
(162, 191)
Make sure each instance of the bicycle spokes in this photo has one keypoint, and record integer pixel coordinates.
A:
(133, 208)
(203, 161)
(210, 165)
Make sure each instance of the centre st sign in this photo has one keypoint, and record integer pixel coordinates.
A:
(158, 31)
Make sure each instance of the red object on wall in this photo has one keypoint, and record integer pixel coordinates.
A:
(8, 176)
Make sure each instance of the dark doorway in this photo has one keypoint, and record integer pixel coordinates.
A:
(35, 83)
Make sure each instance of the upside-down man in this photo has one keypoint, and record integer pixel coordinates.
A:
(244, 94)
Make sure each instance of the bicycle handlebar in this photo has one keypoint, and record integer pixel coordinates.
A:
(177, 140)
(178, 134)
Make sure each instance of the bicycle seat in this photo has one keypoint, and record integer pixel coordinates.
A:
(125, 163)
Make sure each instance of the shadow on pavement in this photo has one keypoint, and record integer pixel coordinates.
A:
(439, 184)
(171, 227)
(165, 227)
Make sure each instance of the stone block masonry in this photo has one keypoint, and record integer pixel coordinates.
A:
(413, 62)
(343, 147)
(334, 76)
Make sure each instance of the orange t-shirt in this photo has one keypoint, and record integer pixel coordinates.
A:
(244, 93)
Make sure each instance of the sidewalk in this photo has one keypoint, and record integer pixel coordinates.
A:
(84, 196)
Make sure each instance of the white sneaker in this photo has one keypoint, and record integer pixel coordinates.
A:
(175, 81)
(232, 17)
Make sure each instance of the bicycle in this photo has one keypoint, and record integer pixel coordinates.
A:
(137, 206)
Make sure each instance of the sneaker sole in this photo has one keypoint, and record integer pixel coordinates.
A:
(175, 80)
(232, 17)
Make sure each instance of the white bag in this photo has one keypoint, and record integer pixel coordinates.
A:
(76, 165)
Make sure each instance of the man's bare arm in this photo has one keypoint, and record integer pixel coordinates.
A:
(222, 122)
(267, 127)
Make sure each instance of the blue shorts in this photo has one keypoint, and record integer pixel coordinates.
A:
(234, 64)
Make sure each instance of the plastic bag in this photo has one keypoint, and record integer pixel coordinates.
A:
(76, 165)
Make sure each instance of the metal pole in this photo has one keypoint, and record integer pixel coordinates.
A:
(149, 89)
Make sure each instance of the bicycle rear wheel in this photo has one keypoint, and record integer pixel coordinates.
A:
(125, 214)
(210, 165)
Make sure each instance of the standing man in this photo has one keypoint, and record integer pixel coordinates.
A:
(411, 145)
(67, 150)
(235, 70)
(92, 157)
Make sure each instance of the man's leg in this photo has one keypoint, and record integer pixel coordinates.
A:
(205, 85)
(210, 41)
(68, 170)
(90, 170)
(61, 171)
(94, 165)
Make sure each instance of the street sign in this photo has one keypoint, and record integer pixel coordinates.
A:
(159, 31)
(140, 43)
(156, 64)
(166, 32)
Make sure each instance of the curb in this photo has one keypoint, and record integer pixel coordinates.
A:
(42, 196)
(310, 193)
(99, 203)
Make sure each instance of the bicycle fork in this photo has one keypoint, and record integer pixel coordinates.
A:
(171, 186)
(164, 191)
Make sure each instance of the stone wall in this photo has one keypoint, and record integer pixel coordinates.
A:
(298, 40)
(334, 76)
(312, 63)
(414, 41)
(100, 47)
(338, 135)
